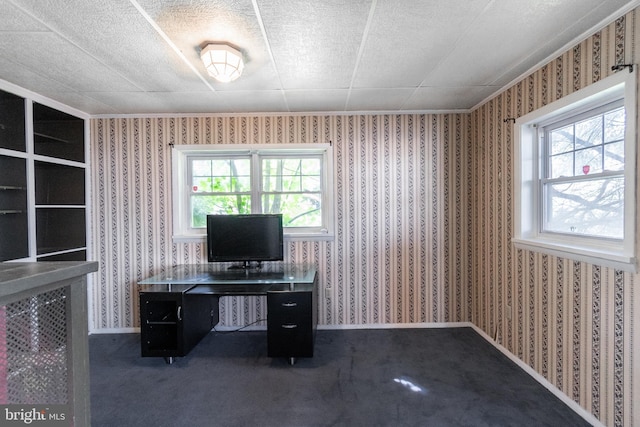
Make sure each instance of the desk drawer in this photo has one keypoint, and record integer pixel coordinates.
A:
(296, 342)
(289, 306)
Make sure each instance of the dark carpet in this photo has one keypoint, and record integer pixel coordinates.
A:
(379, 377)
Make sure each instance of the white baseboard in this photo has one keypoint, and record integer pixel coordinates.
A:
(396, 326)
(528, 369)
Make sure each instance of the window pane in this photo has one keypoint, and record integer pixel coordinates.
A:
(298, 210)
(311, 167)
(201, 206)
(271, 183)
(562, 140)
(589, 132)
(311, 183)
(201, 167)
(221, 175)
(594, 207)
(289, 174)
(614, 123)
(614, 156)
(588, 161)
(561, 165)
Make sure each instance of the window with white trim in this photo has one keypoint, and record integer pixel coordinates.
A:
(575, 170)
(294, 180)
(582, 186)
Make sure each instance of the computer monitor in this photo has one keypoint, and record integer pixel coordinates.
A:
(245, 238)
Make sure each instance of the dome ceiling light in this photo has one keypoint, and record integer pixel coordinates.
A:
(223, 62)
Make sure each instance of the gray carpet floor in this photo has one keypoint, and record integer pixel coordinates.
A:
(382, 377)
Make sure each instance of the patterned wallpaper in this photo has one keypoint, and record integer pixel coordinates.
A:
(423, 229)
(574, 323)
(400, 254)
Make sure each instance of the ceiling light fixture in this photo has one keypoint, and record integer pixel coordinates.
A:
(223, 62)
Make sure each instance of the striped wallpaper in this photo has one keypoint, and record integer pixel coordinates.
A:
(576, 324)
(424, 219)
(402, 227)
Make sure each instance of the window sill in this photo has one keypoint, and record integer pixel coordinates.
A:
(601, 255)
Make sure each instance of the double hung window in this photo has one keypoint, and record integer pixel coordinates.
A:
(576, 175)
(294, 181)
(583, 182)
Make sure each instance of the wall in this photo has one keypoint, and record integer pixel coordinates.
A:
(574, 323)
(401, 252)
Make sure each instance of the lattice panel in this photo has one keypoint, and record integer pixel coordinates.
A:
(33, 350)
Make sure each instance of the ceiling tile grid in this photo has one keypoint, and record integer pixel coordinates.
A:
(121, 57)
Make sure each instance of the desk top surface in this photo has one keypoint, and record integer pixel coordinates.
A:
(219, 274)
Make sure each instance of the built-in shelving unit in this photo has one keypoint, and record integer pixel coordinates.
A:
(43, 213)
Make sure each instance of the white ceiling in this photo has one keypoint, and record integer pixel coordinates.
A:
(110, 57)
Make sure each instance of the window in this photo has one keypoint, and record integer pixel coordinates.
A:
(576, 175)
(292, 180)
(583, 182)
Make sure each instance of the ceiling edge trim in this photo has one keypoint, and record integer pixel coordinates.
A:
(278, 114)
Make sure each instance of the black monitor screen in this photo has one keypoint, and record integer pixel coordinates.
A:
(246, 238)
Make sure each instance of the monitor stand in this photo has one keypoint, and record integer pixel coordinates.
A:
(246, 265)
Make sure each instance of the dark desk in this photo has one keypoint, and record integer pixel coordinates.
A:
(179, 307)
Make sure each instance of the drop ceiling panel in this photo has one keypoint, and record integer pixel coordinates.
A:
(316, 100)
(253, 101)
(164, 102)
(48, 55)
(14, 19)
(314, 44)
(407, 39)
(447, 98)
(378, 99)
(116, 34)
(519, 39)
(26, 78)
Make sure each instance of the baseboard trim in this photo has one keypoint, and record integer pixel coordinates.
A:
(396, 326)
(528, 369)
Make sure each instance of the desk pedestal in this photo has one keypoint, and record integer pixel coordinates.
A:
(291, 323)
(172, 321)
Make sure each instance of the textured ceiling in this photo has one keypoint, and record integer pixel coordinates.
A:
(142, 56)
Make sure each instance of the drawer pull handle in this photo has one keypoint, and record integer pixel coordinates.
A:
(289, 326)
(179, 314)
(289, 304)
